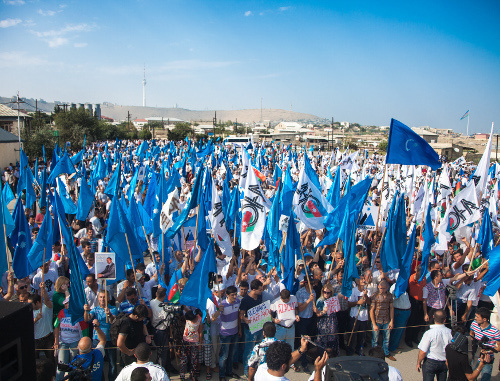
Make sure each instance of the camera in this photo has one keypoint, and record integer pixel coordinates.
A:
(172, 310)
(76, 370)
(212, 277)
(486, 349)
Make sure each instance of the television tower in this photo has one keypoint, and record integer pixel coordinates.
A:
(144, 88)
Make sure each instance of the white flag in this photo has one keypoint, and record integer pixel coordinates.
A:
(481, 174)
(218, 223)
(463, 210)
(444, 185)
(254, 207)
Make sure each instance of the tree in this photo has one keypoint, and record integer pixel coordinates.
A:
(74, 125)
(383, 146)
(145, 134)
(180, 131)
(37, 139)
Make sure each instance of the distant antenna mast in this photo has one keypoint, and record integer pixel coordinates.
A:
(144, 88)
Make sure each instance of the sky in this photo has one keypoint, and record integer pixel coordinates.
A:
(424, 63)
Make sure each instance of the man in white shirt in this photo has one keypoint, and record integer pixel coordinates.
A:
(42, 319)
(142, 353)
(432, 349)
(49, 278)
(285, 313)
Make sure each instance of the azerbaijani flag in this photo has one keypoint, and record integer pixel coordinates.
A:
(465, 115)
(173, 294)
(260, 175)
(311, 210)
(246, 221)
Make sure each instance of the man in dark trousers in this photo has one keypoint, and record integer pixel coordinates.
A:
(109, 270)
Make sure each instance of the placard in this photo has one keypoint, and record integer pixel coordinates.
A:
(332, 305)
(259, 315)
(105, 268)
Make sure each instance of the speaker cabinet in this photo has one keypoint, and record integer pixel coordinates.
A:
(349, 368)
(17, 343)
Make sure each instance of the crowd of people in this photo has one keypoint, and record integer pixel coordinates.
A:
(135, 328)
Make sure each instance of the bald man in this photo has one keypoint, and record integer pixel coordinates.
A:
(94, 358)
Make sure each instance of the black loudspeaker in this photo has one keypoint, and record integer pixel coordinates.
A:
(349, 368)
(17, 342)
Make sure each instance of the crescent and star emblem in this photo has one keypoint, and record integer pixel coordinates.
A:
(406, 145)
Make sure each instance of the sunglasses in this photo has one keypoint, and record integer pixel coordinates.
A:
(327, 292)
(22, 287)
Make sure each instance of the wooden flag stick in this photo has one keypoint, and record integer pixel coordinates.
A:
(381, 192)
(7, 251)
(43, 265)
(331, 265)
(133, 266)
(106, 296)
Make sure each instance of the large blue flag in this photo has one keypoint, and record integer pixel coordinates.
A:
(333, 195)
(394, 244)
(492, 277)
(291, 250)
(349, 248)
(120, 236)
(196, 291)
(406, 147)
(113, 187)
(405, 269)
(21, 241)
(67, 202)
(77, 267)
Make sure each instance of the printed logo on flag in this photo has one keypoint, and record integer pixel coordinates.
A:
(310, 209)
(248, 222)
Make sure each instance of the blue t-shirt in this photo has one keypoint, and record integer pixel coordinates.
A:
(97, 366)
(99, 314)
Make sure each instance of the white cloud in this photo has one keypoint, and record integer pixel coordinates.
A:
(14, 2)
(80, 44)
(283, 9)
(19, 59)
(63, 31)
(9, 22)
(46, 13)
(248, 13)
(57, 41)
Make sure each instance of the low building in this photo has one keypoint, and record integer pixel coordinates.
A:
(9, 148)
(139, 123)
(9, 118)
(429, 137)
(450, 151)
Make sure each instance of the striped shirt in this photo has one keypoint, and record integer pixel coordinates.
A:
(229, 318)
(491, 332)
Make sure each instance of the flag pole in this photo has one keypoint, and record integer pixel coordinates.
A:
(305, 267)
(283, 241)
(7, 250)
(380, 205)
(106, 297)
(196, 228)
(43, 265)
(331, 265)
(133, 266)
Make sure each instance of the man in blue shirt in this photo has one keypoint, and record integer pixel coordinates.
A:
(94, 358)
(105, 316)
(132, 301)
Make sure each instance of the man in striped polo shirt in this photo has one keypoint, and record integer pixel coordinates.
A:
(229, 329)
(480, 328)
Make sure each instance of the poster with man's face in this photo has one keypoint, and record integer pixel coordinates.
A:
(105, 268)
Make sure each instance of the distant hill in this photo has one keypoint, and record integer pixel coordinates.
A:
(118, 113)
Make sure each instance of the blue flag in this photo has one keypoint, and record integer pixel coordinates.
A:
(113, 187)
(67, 202)
(64, 165)
(196, 291)
(3, 248)
(43, 242)
(394, 244)
(333, 195)
(492, 277)
(406, 147)
(120, 236)
(485, 236)
(21, 241)
(405, 269)
(193, 202)
(349, 248)
(85, 201)
(292, 248)
(77, 267)
(429, 240)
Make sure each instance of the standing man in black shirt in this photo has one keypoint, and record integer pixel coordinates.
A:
(250, 300)
(132, 332)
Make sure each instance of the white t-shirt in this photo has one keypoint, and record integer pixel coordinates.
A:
(355, 296)
(285, 311)
(49, 279)
(263, 375)
(156, 372)
(43, 326)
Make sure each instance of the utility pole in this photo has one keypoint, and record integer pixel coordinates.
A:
(19, 101)
(128, 119)
(332, 135)
(214, 122)
(236, 127)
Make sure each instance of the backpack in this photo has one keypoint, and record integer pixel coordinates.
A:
(114, 329)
